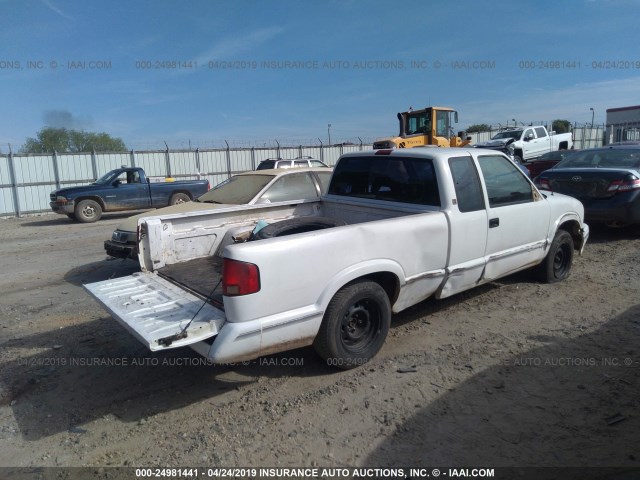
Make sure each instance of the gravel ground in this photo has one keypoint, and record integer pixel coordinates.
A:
(514, 373)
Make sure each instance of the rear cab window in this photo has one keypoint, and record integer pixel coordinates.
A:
(390, 178)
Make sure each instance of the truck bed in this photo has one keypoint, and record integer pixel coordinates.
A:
(187, 249)
(202, 276)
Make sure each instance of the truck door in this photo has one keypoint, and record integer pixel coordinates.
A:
(469, 227)
(518, 218)
(542, 140)
(129, 193)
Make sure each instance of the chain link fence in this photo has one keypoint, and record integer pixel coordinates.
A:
(27, 179)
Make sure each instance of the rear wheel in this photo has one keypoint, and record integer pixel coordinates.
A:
(179, 198)
(354, 326)
(88, 211)
(556, 265)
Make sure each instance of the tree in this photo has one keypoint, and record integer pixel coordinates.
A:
(482, 127)
(73, 141)
(561, 126)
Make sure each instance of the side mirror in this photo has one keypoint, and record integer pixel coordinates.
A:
(455, 117)
(116, 182)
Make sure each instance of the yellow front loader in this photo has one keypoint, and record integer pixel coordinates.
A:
(429, 126)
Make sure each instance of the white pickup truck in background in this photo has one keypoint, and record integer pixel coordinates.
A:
(396, 227)
(527, 143)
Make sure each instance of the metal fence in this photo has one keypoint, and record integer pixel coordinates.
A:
(27, 179)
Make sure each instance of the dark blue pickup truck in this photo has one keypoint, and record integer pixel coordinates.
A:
(120, 190)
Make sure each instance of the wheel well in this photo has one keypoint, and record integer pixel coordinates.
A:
(573, 228)
(186, 192)
(563, 146)
(387, 280)
(98, 200)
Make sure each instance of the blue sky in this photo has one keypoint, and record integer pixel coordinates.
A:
(252, 72)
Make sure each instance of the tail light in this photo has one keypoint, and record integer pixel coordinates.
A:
(239, 278)
(631, 182)
(544, 184)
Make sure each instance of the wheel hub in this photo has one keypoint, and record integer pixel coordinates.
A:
(357, 323)
(360, 325)
(89, 211)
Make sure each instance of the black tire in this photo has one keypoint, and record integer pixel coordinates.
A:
(179, 198)
(88, 211)
(556, 265)
(296, 225)
(354, 326)
(518, 159)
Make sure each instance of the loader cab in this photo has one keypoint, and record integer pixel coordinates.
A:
(434, 124)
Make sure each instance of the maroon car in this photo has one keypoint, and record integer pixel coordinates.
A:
(546, 161)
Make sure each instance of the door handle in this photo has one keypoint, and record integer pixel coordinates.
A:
(494, 222)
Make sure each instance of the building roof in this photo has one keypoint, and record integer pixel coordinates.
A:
(623, 109)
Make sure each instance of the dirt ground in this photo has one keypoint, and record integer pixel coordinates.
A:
(514, 373)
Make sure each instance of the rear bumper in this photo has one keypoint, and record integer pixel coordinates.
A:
(120, 250)
(163, 315)
(623, 208)
(245, 341)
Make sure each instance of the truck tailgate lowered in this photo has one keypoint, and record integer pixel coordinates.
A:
(157, 311)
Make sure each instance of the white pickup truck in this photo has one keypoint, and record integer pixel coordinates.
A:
(396, 227)
(527, 143)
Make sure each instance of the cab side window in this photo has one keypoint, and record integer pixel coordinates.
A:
(121, 178)
(467, 184)
(133, 177)
(506, 184)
